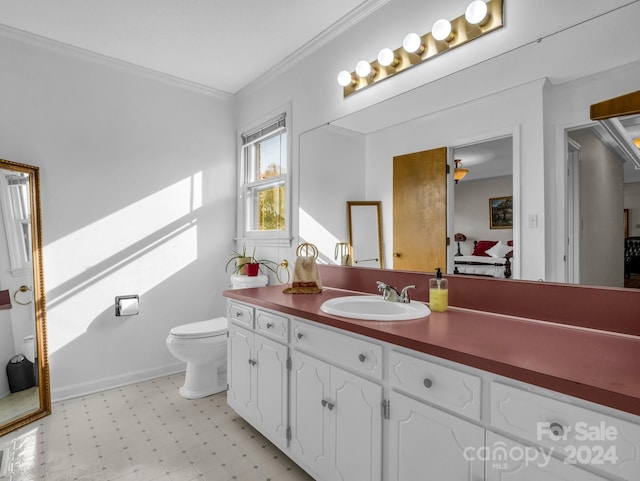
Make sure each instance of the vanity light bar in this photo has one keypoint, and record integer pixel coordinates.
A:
(416, 49)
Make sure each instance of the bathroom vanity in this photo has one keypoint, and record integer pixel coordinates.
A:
(464, 394)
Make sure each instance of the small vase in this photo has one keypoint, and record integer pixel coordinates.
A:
(252, 269)
(241, 265)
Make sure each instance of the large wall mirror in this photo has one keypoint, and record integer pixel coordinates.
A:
(24, 373)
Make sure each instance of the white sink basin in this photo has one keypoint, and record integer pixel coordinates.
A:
(374, 308)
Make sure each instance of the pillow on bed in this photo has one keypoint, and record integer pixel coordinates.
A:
(499, 250)
(482, 247)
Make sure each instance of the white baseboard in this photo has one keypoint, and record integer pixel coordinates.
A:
(97, 385)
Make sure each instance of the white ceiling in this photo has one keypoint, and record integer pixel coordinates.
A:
(220, 44)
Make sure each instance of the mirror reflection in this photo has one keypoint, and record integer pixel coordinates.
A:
(564, 228)
(24, 381)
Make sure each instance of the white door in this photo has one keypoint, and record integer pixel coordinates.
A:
(240, 347)
(270, 387)
(357, 427)
(430, 445)
(309, 412)
(511, 461)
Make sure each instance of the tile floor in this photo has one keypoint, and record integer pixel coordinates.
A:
(144, 432)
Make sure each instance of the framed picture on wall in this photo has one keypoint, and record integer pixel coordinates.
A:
(501, 212)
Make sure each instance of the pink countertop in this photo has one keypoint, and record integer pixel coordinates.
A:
(595, 365)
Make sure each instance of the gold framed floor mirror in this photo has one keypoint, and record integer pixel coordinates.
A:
(24, 374)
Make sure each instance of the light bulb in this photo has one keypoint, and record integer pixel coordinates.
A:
(412, 43)
(386, 57)
(476, 13)
(363, 69)
(441, 30)
(345, 79)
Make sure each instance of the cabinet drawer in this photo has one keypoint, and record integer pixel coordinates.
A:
(356, 354)
(272, 325)
(454, 390)
(241, 314)
(582, 436)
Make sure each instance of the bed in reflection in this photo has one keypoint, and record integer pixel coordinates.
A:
(489, 259)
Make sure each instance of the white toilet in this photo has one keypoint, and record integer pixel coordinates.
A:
(203, 346)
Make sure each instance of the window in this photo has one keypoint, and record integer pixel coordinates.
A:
(264, 210)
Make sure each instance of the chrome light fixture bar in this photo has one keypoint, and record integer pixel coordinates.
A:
(479, 19)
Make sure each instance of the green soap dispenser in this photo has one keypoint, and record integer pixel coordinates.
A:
(438, 292)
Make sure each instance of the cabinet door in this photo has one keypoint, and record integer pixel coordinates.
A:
(428, 444)
(508, 460)
(240, 349)
(309, 414)
(356, 420)
(270, 386)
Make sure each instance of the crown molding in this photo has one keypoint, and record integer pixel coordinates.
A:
(356, 15)
(67, 49)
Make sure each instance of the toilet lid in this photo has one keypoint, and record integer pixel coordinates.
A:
(212, 327)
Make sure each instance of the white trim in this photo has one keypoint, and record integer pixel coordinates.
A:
(64, 48)
(98, 385)
(356, 15)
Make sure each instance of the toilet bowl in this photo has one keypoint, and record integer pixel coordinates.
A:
(203, 346)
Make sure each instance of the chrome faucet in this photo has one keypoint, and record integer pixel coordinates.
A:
(390, 293)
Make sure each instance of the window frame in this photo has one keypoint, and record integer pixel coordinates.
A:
(244, 211)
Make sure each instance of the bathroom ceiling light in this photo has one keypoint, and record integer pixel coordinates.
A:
(345, 79)
(363, 69)
(387, 58)
(442, 31)
(412, 43)
(479, 19)
(477, 13)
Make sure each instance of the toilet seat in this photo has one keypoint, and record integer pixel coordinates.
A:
(201, 329)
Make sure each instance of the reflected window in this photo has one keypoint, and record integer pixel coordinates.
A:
(16, 210)
(264, 181)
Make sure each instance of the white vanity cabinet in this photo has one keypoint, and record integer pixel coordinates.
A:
(257, 372)
(424, 441)
(335, 415)
(347, 407)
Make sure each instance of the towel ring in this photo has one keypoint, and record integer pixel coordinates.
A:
(283, 266)
(21, 289)
(306, 246)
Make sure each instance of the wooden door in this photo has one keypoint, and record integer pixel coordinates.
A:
(420, 211)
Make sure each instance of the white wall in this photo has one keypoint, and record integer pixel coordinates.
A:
(138, 188)
(471, 211)
(331, 173)
(601, 206)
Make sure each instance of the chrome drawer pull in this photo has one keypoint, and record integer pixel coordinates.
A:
(362, 358)
(427, 382)
(269, 325)
(299, 335)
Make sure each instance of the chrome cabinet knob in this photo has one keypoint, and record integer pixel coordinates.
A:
(323, 402)
(330, 406)
(299, 335)
(362, 358)
(427, 382)
(269, 325)
(556, 429)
